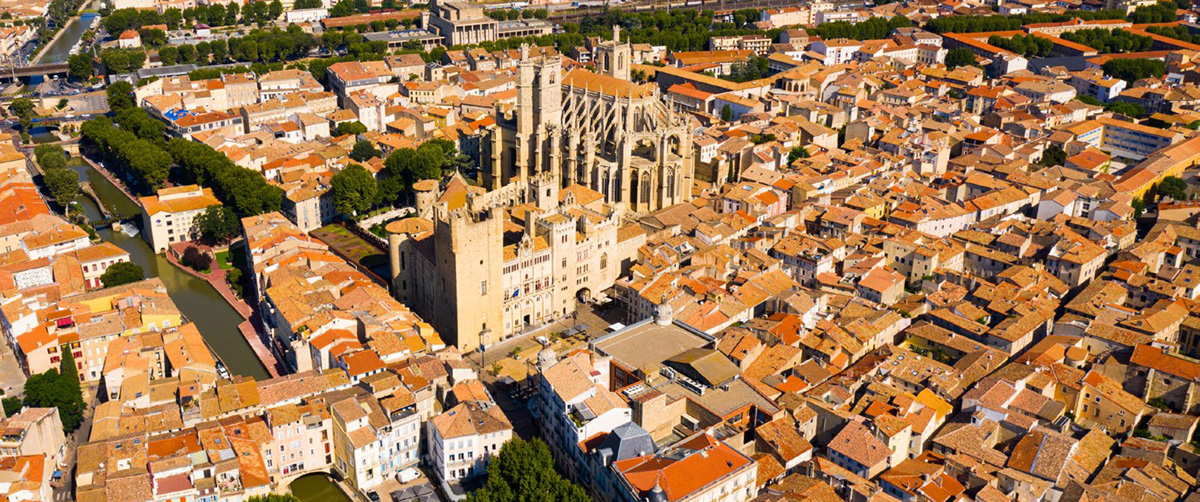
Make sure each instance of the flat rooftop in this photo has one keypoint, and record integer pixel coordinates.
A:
(646, 344)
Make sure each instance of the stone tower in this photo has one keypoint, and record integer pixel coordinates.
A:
(469, 256)
(615, 58)
(539, 111)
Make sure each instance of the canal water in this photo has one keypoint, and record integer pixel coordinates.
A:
(200, 303)
(60, 49)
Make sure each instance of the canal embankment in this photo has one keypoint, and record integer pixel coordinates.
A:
(217, 320)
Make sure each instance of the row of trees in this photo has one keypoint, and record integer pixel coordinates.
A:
(976, 24)
(515, 14)
(215, 14)
(244, 191)
(143, 163)
(349, 7)
(680, 30)
(871, 29)
(1176, 32)
(1110, 41)
(753, 69)
(1121, 107)
(1024, 45)
(62, 183)
(1132, 70)
(122, 60)
(1162, 12)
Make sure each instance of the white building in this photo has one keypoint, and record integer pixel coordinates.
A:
(464, 438)
(169, 217)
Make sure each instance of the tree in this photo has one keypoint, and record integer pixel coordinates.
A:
(218, 223)
(275, 10)
(68, 369)
(307, 4)
(726, 113)
(524, 471)
(959, 56)
(1126, 108)
(121, 273)
(63, 185)
(52, 160)
(169, 55)
(12, 406)
(797, 153)
(1173, 187)
(22, 108)
(364, 150)
(196, 260)
(354, 189)
(120, 96)
(1138, 206)
(41, 151)
(79, 67)
(53, 390)
(1053, 156)
(353, 128)
(233, 277)
(1132, 70)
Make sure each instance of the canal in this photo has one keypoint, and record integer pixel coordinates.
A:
(317, 488)
(60, 49)
(200, 303)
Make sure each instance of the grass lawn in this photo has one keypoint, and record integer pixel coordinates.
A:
(223, 260)
(362, 252)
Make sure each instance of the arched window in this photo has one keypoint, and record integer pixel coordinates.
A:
(645, 186)
(604, 261)
(671, 184)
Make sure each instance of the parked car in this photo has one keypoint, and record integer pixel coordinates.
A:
(408, 475)
(373, 496)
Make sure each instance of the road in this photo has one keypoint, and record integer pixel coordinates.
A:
(597, 319)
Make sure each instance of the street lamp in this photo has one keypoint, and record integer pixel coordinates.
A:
(483, 346)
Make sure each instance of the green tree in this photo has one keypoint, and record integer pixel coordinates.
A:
(364, 150)
(959, 56)
(53, 390)
(1132, 70)
(1126, 108)
(41, 151)
(169, 55)
(275, 10)
(354, 189)
(1053, 156)
(53, 160)
(79, 67)
(12, 406)
(68, 369)
(1173, 187)
(120, 96)
(353, 127)
(218, 223)
(63, 184)
(524, 471)
(798, 152)
(726, 113)
(122, 273)
(22, 108)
